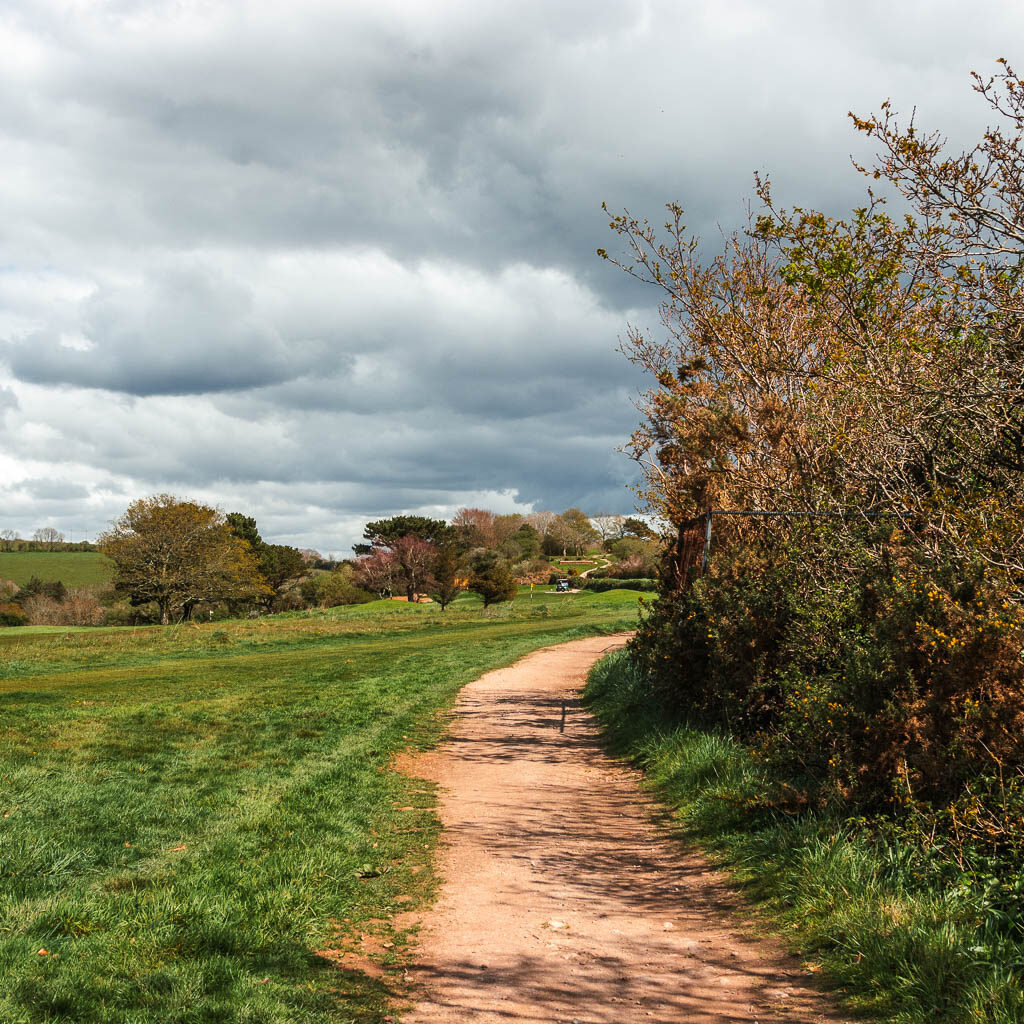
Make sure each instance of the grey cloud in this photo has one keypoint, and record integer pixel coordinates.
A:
(488, 140)
(8, 401)
(330, 261)
(55, 490)
(185, 330)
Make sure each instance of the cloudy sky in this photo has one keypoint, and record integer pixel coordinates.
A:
(321, 262)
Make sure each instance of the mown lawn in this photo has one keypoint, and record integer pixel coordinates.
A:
(196, 820)
(72, 568)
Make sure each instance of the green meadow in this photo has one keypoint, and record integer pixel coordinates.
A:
(72, 568)
(198, 821)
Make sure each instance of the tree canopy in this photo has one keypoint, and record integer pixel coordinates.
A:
(382, 533)
(492, 579)
(861, 366)
(177, 554)
(280, 564)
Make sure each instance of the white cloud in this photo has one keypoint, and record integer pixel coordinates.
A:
(321, 262)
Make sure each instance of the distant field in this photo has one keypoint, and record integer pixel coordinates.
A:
(197, 820)
(73, 569)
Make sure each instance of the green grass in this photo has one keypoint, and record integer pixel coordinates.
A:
(73, 569)
(196, 819)
(868, 914)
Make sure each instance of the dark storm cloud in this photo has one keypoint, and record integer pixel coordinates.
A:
(327, 262)
(54, 490)
(487, 135)
(179, 331)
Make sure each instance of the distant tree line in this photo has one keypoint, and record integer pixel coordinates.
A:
(176, 559)
(46, 538)
(491, 553)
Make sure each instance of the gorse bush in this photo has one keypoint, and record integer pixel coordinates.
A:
(858, 385)
(857, 673)
(12, 615)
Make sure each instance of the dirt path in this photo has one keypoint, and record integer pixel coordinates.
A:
(564, 900)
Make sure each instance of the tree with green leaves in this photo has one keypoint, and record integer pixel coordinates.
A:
(383, 533)
(524, 543)
(280, 564)
(330, 589)
(244, 527)
(492, 579)
(633, 527)
(446, 575)
(570, 532)
(176, 553)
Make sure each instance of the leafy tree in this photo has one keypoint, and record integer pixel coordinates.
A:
(633, 527)
(414, 562)
(570, 532)
(383, 533)
(474, 528)
(871, 365)
(7, 539)
(506, 526)
(492, 579)
(401, 553)
(280, 565)
(330, 589)
(176, 554)
(244, 527)
(446, 575)
(524, 543)
(378, 572)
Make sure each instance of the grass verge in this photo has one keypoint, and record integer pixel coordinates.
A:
(864, 910)
(196, 823)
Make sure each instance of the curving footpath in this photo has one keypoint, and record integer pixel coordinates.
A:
(565, 898)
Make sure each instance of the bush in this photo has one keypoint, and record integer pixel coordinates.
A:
(331, 589)
(492, 580)
(54, 590)
(83, 608)
(871, 677)
(533, 570)
(12, 615)
(600, 585)
(80, 607)
(896, 919)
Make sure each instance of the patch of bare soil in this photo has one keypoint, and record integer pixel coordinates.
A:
(564, 900)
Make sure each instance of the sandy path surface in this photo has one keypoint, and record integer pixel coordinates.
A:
(564, 900)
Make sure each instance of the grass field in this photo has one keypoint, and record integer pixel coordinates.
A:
(198, 820)
(73, 569)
